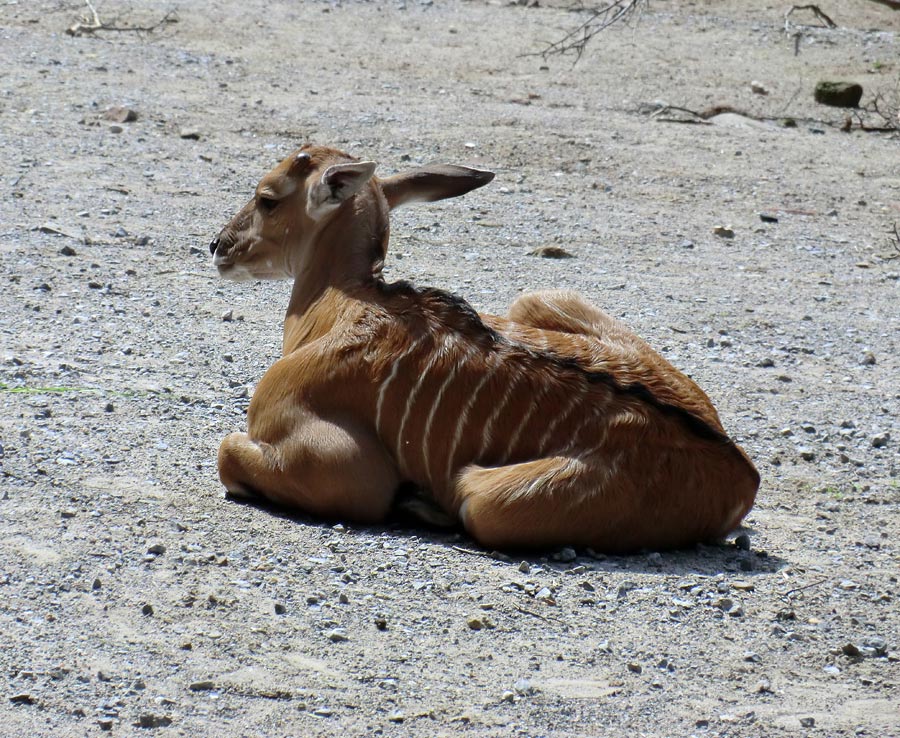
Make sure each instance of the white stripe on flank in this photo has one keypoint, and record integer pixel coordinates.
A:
(489, 425)
(382, 391)
(535, 405)
(576, 399)
(438, 353)
(434, 406)
(464, 416)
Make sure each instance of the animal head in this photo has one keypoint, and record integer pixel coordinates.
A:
(318, 192)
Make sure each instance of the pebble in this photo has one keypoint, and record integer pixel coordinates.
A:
(69, 251)
(524, 567)
(880, 440)
(723, 231)
(742, 542)
(280, 609)
(758, 88)
(806, 453)
(115, 128)
(807, 722)
(147, 609)
(156, 549)
(191, 134)
(202, 686)
(508, 696)
(565, 555)
(22, 699)
(545, 595)
(478, 622)
(634, 668)
(149, 720)
(337, 635)
(867, 359)
(551, 252)
(120, 114)
(228, 316)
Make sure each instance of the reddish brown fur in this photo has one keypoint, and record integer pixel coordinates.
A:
(553, 425)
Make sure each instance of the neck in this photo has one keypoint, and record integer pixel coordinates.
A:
(341, 259)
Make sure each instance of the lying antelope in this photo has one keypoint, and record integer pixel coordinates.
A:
(553, 425)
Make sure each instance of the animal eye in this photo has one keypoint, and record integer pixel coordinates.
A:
(266, 204)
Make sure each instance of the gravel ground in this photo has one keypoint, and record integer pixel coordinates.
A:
(134, 599)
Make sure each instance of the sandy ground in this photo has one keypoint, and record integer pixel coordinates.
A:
(134, 599)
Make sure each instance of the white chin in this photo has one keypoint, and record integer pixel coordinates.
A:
(235, 273)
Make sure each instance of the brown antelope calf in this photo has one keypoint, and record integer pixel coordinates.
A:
(553, 425)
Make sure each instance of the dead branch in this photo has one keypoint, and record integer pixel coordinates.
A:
(90, 25)
(814, 9)
(599, 19)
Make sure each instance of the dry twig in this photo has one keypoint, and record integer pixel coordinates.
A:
(814, 9)
(575, 41)
(90, 25)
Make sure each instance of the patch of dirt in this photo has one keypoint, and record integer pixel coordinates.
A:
(134, 599)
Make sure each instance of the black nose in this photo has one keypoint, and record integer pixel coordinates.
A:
(214, 244)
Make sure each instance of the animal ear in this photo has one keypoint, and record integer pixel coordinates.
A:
(430, 183)
(338, 184)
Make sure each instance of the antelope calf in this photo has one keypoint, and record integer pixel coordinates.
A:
(552, 425)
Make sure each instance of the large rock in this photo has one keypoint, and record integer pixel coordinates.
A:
(839, 94)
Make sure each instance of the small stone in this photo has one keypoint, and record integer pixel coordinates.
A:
(880, 440)
(69, 251)
(22, 699)
(524, 567)
(768, 218)
(545, 595)
(68, 513)
(850, 649)
(508, 696)
(806, 453)
(723, 231)
(147, 609)
(766, 363)
(97, 584)
(475, 622)
(634, 668)
(120, 114)
(228, 316)
(566, 555)
(109, 408)
(687, 244)
(280, 609)
(202, 686)
(551, 252)
(115, 128)
(157, 549)
(742, 542)
(873, 646)
(867, 359)
(381, 623)
(838, 94)
(149, 720)
(337, 635)
(396, 717)
(758, 88)
(105, 723)
(807, 722)
(191, 134)
(742, 585)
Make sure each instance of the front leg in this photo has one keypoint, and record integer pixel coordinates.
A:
(332, 469)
